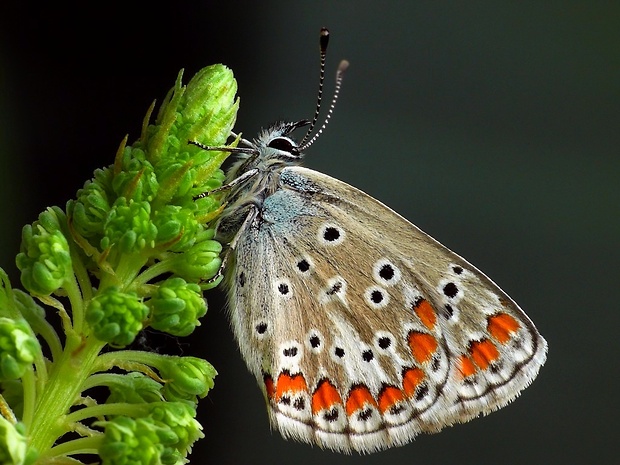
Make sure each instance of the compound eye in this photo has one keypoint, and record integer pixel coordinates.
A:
(283, 144)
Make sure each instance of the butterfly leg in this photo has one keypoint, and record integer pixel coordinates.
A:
(228, 186)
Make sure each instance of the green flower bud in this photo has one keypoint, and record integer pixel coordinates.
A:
(142, 441)
(13, 443)
(44, 260)
(18, 348)
(137, 180)
(176, 226)
(186, 377)
(208, 107)
(129, 226)
(90, 210)
(180, 418)
(7, 304)
(134, 388)
(176, 307)
(177, 176)
(200, 263)
(116, 317)
(204, 110)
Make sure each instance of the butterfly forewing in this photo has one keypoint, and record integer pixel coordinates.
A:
(362, 330)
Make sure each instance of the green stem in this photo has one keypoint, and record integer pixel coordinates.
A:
(112, 359)
(77, 304)
(103, 379)
(115, 380)
(128, 267)
(48, 422)
(125, 272)
(77, 446)
(152, 272)
(119, 408)
(42, 327)
(30, 388)
(81, 274)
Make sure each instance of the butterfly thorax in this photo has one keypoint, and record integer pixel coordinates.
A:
(271, 152)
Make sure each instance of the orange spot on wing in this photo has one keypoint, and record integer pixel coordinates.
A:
(425, 313)
(501, 327)
(288, 383)
(412, 377)
(466, 366)
(389, 397)
(325, 397)
(269, 386)
(422, 346)
(483, 352)
(358, 398)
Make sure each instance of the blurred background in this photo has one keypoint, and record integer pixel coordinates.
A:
(495, 127)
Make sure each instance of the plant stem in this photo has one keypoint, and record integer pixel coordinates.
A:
(61, 391)
(77, 446)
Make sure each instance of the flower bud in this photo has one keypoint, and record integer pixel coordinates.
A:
(176, 307)
(44, 260)
(116, 317)
(18, 348)
(186, 377)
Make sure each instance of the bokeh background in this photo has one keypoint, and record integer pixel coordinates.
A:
(494, 126)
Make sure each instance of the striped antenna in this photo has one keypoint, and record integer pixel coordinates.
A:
(342, 67)
(323, 42)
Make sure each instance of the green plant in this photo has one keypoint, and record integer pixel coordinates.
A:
(133, 250)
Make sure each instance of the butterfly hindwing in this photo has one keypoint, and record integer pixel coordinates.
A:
(361, 329)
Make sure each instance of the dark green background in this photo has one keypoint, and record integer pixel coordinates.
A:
(493, 126)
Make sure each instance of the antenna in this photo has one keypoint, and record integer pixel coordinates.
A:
(342, 67)
(323, 42)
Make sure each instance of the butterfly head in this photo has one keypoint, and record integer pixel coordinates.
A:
(277, 141)
(274, 148)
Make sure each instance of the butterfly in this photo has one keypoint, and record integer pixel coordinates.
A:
(361, 330)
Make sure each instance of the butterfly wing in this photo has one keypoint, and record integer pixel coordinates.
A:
(362, 330)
